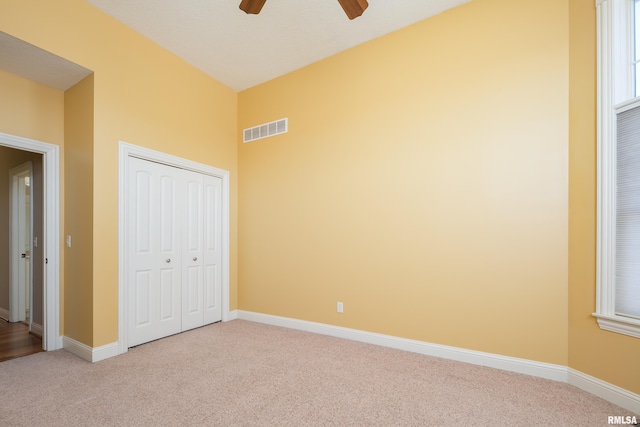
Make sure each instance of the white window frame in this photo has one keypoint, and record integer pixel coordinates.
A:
(615, 88)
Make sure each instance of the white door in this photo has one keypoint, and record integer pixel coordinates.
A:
(175, 241)
(154, 252)
(192, 253)
(212, 247)
(202, 250)
(21, 236)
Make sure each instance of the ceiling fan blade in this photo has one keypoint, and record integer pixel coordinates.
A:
(354, 8)
(252, 6)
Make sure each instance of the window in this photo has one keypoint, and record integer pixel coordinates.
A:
(636, 46)
(618, 252)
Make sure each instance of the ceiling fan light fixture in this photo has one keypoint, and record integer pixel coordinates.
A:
(354, 8)
(252, 6)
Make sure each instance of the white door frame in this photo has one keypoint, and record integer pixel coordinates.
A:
(18, 241)
(127, 150)
(51, 338)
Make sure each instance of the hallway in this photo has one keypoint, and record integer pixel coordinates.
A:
(16, 341)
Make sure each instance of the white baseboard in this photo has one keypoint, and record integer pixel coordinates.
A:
(91, 354)
(37, 329)
(4, 314)
(105, 351)
(614, 394)
(523, 366)
(76, 347)
(609, 392)
(233, 315)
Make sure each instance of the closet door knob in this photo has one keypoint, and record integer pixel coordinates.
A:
(195, 258)
(168, 260)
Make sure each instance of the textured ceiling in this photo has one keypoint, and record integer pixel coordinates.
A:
(33, 63)
(243, 50)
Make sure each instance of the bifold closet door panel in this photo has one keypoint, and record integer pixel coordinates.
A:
(212, 249)
(192, 250)
(154, 291)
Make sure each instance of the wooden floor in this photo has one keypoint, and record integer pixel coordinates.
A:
(16, 341)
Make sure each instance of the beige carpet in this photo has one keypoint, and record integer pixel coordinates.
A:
(247, 374)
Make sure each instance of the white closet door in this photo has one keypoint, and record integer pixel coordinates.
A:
(212, 249)
(175, 246)
(154, 252)
(192, 250)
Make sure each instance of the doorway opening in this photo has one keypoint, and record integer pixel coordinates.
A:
(48, 243)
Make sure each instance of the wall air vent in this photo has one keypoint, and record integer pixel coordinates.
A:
(266, 130)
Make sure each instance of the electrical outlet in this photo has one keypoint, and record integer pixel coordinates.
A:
(340, 307)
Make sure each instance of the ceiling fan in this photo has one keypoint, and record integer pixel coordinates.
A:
(353, 8)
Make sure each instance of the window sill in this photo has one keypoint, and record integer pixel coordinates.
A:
(619, 324)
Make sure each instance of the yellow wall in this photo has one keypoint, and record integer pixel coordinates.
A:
(606, 355)
(142, 95)
(423, 182)
(79, 165)
(31, 110)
